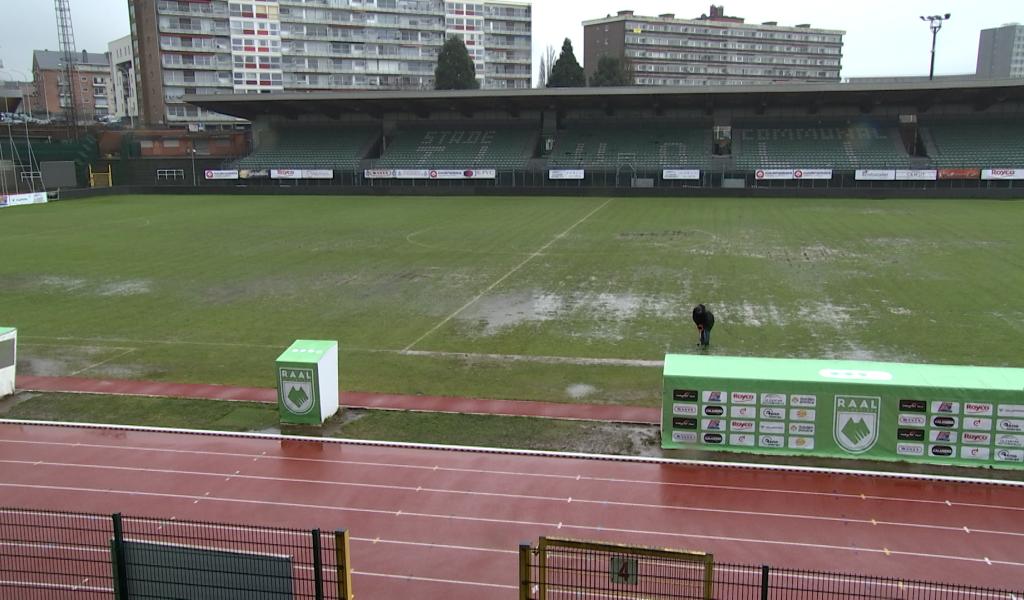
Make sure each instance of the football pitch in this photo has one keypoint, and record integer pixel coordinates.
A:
(558, 299)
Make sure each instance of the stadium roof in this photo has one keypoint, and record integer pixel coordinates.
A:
(806, 96)
(49, 59)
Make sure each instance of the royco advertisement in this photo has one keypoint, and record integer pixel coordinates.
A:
(967, 416)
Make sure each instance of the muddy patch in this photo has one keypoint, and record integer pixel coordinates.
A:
(59, 284)
(577, 391)
(763, 315)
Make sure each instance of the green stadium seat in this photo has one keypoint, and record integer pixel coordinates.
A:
(482, 147)
(838, 145)
(608, 146)
(305, 147)
(990, 143)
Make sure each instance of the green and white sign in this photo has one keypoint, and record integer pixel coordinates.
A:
(969, 416)
(8, 359)
(307, 382)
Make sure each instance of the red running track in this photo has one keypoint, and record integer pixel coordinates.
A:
(445, 524)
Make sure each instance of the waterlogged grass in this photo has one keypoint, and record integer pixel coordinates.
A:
(211, 289)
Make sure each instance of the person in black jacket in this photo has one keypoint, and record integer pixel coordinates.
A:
(704, 320)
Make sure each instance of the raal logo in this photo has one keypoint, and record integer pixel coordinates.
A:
(856, 422)
(297, 390)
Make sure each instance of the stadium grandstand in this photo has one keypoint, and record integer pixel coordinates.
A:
(845, 135)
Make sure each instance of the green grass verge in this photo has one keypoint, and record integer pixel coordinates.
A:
(211, 289)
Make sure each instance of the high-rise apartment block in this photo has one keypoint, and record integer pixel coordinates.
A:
(713, 49)
(263, 46)
(124, 96)
(1001, 52)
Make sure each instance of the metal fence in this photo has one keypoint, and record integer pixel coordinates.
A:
(560, 569)
(83, 556)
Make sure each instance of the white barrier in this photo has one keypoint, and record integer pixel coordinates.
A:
(23, 199)
(566, 174)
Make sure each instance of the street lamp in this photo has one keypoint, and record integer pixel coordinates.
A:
(935, 23)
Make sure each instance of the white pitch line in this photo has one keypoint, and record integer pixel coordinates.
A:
(514, 270)
(494, 521)
(516, 497)
(67, 587)
(103, 362)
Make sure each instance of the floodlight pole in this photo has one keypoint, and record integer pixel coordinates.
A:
(935, 24)
(192, 151)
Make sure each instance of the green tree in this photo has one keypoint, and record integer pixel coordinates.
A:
(455, 70)
(567, 71)
(611, 71)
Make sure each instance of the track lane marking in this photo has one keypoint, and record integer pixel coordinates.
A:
(514, 270)
(386, 465)
(518, 497)
(519, 523)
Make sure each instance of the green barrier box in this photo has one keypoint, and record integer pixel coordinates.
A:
(967, 416)
(8, 359)
(307, 382)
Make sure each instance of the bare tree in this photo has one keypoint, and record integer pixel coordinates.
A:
(542, 79)
(548, 60)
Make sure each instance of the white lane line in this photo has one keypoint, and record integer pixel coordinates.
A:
(435, 580)
(589, 529)
(512, 272)
(67, 587)
(103, 362)
(504, 473)
(56, 546)
(515, 497)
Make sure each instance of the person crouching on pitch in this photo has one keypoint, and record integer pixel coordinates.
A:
(704, 320)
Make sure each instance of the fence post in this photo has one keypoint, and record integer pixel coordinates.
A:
(343, 563)
(764, 582)
(120, 568)
(318, 567)
(524, 571)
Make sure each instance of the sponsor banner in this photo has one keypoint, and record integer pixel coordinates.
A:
(913, 420)
(744, 426)
(1010, 441)
(946, 408)
(959, 173)
(910, 435)
(743, 412)
(976, 453)
(713, 438)
(566, 174)
(712, 424)
(713, 410)
(916, 175)
(212, 174)
(687, 174)
(1014, 411)
(773, 414)
(942, 450)
(803, 400)
(317, 174)
(685, 410)
(379, 173)
(801, 428)
(684, 423)
(430, 174)
(254, 174)
(801, 443)
(793, 174)
(1003, 455)
(742, 439)
(913, 405)
(876, 175)
(771, 428)
(773, 399)
(714, 397)
(945, 422)
(684, 395)
(1011, 425)
(942, 436)
(977, 439)
(684, 437)
(744, 398)
(801, 414)
(24, 199)
(1002, 174)
(286, 173)
(977, 424)
(910, 449)
(771, 441)
(975, 409)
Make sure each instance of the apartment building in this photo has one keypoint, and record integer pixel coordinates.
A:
(713, 49)
(123, 95)
(52, 93)
(264, 46)
(1001, 52)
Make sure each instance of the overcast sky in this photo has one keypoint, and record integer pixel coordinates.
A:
(883, 37)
